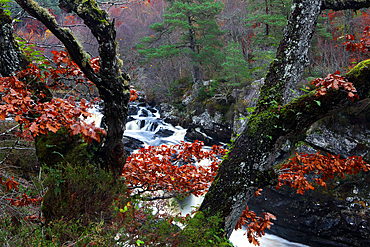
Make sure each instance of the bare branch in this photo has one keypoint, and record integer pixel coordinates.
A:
(65, 35)
(9, 130)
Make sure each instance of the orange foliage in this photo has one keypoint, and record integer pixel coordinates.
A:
(294, 173)
(133, 93)
(256, 225)
(25, 201)
(334, 81)
(9, 183)
(49, 116)
(172, 169)
(363, 45)
(18, 101)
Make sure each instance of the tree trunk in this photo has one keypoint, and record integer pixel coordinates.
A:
(249, 164)
(197, 75)
(193, 48)
(113, 86)
(11, 58)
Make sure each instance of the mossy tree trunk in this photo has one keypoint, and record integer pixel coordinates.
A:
(11, 57)
(113, 86)
(249, 164)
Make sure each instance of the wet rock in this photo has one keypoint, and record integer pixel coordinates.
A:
(152, 109)
(145, 113)
(164, 133)
(133, 110)
(129, 119)
(142, 124)
(193, 134)
(315, 219)
(132, 144)
(334, 216)
(209, 129)
(170, 114)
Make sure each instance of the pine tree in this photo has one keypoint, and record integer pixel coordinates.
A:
(235, 67)
(266, 18)
(188, 29)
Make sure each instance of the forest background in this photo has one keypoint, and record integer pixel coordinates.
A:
(252, 31)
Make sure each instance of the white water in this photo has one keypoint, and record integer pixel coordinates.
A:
(145, 129)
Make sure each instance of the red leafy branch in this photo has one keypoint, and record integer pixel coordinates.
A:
(25, 200)
(363, 45)
(172, 168)
(66, 67)
(39, 117)
(9, 184)
(20, 201)
(294, 173)
(133, 93)
(256, 225)
(334, 81)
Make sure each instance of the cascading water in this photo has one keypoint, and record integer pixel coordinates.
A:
(144, 124)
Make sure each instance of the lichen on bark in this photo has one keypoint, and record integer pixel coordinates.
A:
(249, 164)
(291, 57)
(11, 57)
(113, 88)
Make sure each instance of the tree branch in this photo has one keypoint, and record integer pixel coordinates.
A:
(345, 4)
(65, 35)
(291, 56)
(249, 164)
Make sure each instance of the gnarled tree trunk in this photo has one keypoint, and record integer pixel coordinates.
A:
(11, 58)
(113, 86)
(249, 164)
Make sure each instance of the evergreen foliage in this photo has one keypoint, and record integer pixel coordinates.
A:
(267, 19)
(188, 29)
(235, 67)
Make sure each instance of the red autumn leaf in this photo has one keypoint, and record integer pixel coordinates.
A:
(11, 183)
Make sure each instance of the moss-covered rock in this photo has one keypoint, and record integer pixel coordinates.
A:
(338, 215)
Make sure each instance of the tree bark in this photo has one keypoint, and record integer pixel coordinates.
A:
(113, 86)
(345, 4)
(291, 56)
(197, 75)
(193, 48)
(249, 164)
(11, 57)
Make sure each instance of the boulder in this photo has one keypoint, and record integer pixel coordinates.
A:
(338, 215)
(131, 144)
(170, 114)
(209, 129)
(163, 133)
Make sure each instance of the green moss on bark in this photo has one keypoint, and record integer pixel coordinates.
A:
(4, 18)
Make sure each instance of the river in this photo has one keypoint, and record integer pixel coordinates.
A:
(145, 125)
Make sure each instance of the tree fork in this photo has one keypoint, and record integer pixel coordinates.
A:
(113, 87)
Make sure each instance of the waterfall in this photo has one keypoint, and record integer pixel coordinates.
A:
(145, 124)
